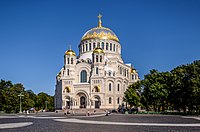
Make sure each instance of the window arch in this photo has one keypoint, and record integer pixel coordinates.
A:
(90, 46)
(72, 60)
(97, 70)
(67, 60)
(67, 72)
(118, 87)
(109, 86)
(101, 58)
(86, 47)
(106, 46)
(102, 45)
(83, 76)
(109, 73)
(110, 46)
(96, 89)
(67, 90)
(97, 58)
(83, 48)
(110, 100)
(94, 45)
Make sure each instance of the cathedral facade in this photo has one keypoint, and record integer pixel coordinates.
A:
(98, 76)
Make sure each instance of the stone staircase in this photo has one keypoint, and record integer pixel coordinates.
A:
(92, 111)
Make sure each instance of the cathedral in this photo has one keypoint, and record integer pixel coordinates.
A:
(98, 77)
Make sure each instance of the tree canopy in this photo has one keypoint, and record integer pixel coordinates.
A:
(178, 89)
(10, 102)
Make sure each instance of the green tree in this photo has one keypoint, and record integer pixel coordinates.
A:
(44, 99)
(155, 90)
(3, 85)
(11, 98)
(186, 87)
(132, 94)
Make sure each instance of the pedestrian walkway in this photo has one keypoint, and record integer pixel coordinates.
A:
(123, 123)
(15, 125)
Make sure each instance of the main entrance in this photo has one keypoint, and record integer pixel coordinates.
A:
(82, 102)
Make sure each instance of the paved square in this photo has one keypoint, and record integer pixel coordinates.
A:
(113, 123)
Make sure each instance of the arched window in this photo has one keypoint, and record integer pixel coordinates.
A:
(100, 58)
(109, 86)
(106, 46)
(94, 45)
(132, 77)
(110, 100)
(90, 46)
(86, 47)
(67, 90)
(97, 70)
(118, 87)
(110, 46)
(109, 73)
(72, 60)
(96, 58)
(118, 100)
(67, 72)
(102, 45)
(113, 47)
(83, 76)
(67, 60)
(83, 48)
(96, 89)
(98, 44)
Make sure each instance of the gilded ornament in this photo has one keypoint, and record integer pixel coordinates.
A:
(70, 52)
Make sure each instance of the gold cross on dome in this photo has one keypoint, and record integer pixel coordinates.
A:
(99, 22)
(99, 16)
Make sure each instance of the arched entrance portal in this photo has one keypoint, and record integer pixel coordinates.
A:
(97, 102)
(82, 99)
(82, 102)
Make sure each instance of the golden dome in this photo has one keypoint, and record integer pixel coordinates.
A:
(70, 52)
(100, 32)
(98, 50)
(133, 70)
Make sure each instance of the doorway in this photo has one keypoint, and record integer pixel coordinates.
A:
(97, 104)
(82, 102)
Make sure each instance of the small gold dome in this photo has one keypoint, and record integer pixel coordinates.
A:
(70, 52)
(133, 70)
(98, 50)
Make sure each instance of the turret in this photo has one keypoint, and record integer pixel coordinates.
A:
(98, 61)
(70, 61)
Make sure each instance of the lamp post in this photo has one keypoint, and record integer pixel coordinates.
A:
(20, 102)
(46, 104)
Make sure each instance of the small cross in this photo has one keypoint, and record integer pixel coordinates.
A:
(99, 16)
(99, 23)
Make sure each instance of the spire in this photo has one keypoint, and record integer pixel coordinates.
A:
(99, 22)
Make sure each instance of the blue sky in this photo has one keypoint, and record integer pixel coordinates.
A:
(34, 35)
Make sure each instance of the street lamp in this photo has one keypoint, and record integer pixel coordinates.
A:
(20, 102)
(46, 104)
